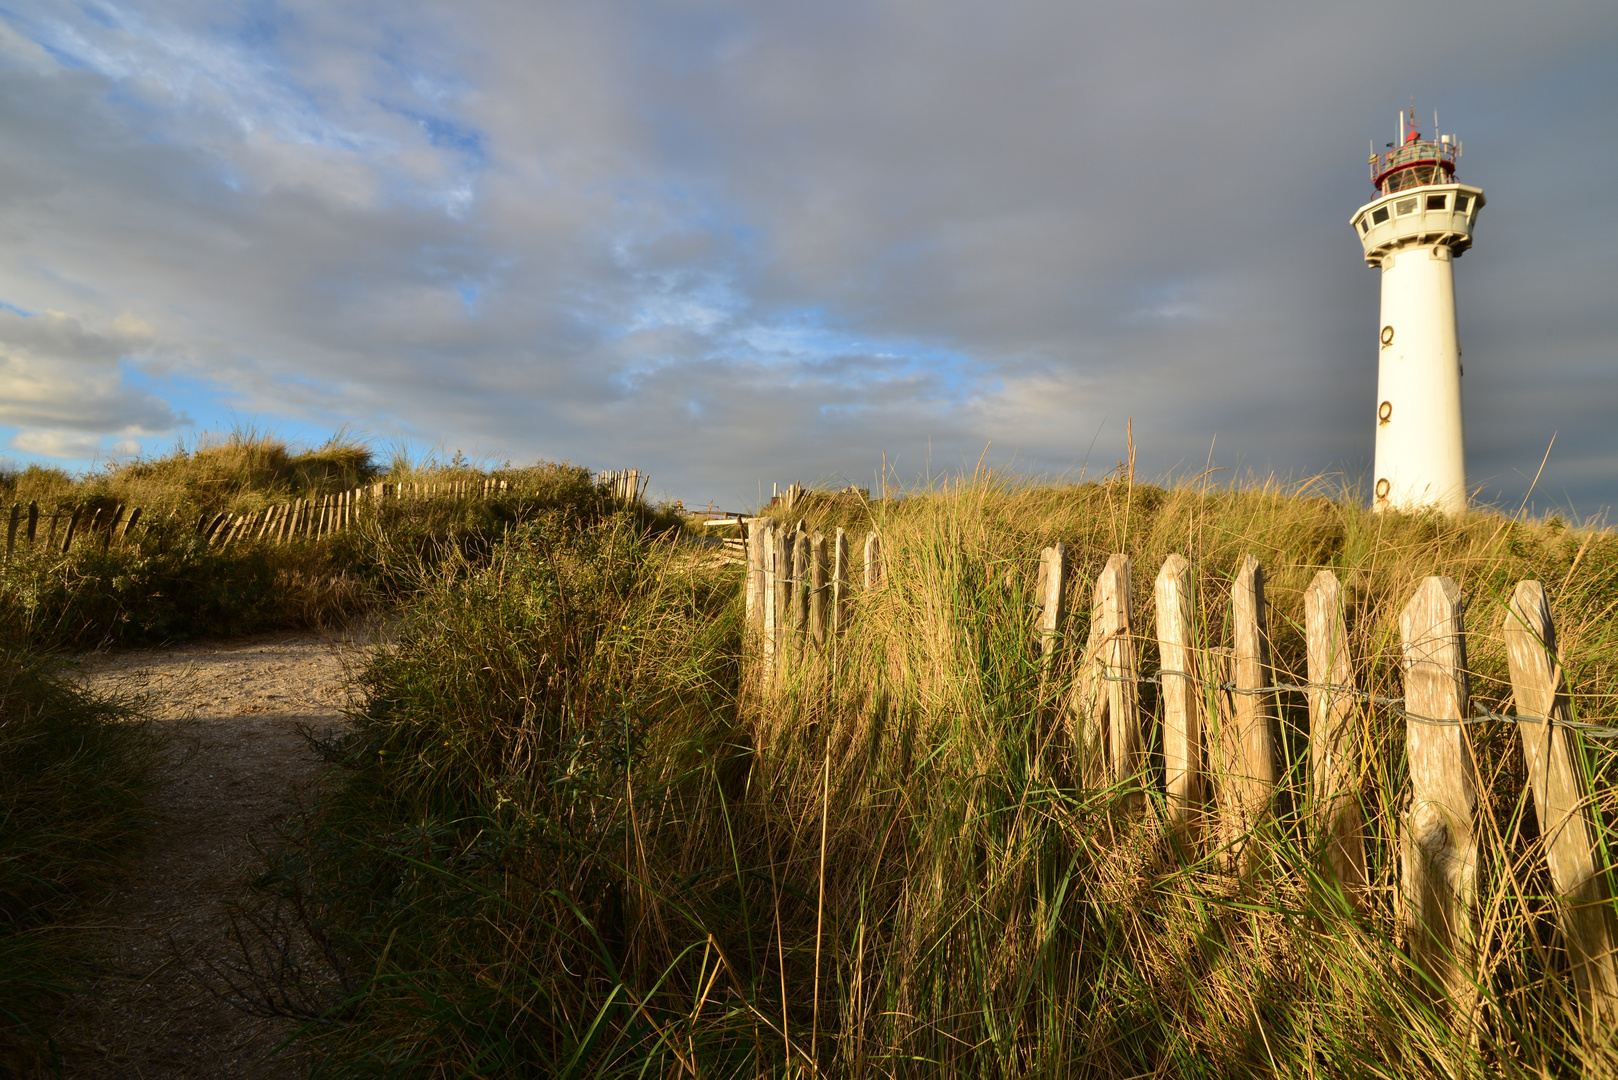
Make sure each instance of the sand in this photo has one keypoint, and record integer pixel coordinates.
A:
(238, 766)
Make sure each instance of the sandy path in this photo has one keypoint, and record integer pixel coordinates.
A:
(239, 767)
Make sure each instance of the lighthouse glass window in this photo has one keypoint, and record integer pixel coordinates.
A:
(1462, 202)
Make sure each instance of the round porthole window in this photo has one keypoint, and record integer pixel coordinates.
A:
(1384, 412)
(1387, 336)
(1382, 489)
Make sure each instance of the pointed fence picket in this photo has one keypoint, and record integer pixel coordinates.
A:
(1334, 753)
(1182, 714)
(1561, 801)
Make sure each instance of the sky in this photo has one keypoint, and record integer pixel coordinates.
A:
(740, 244)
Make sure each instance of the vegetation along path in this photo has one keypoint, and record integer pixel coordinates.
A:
(235, 713)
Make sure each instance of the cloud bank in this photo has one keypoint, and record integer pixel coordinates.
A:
(734, 244)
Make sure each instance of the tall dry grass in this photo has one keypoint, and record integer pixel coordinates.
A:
(945, 650)
(576, 838)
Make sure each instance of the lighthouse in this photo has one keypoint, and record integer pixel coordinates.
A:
(1419, 223)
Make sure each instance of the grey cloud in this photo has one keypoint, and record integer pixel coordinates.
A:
(721, 242)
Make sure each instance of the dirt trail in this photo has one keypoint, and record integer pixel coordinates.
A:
(238, 768)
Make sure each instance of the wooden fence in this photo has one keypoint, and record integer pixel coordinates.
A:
(1220, 783)
(625, 485)
(311, 518)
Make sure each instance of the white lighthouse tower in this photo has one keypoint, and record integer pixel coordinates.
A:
(1420, 221)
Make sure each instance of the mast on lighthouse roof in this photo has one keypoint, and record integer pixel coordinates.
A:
(1420, 221)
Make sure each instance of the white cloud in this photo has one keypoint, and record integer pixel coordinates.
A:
(57, 374)
(68, 445)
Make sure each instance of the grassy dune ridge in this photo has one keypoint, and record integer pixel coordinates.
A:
(165, 583)
(573, 836)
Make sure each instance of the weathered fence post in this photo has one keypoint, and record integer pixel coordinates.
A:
(1562, 801)
(112, 527)
(1182, 705)
(752, 609)
(33, 520)
(1256, 774)
(818, 588)
(800, 580)
(1106, 695)
(1439, 841)
(1119, 674)
(1086, 710)
(769, 617)
(781, 557)
(1050, 598)
(129, 526)
(839, 583)
(1334, 739)
(72, 526)
(1224, 751)
(873, 560)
